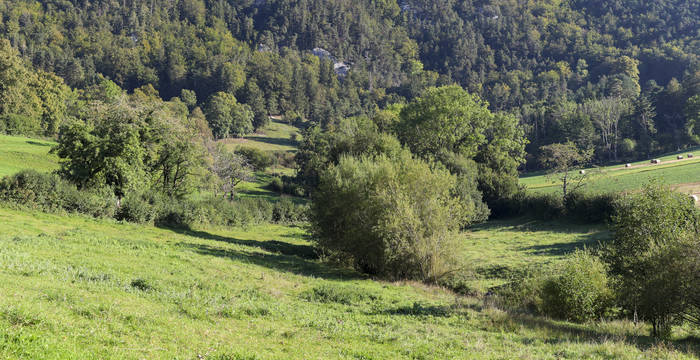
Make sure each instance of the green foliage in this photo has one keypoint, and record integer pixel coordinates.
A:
(654, 231)
(577, 289)
(258, 159)
(135, 143)
(49, 192)
(109, 152)
(445, 119)
(449, 123)
(352, 136)
(580, 291)
(227, 117)
(393, 217)
(33, 101)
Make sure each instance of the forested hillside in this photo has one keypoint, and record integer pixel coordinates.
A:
(619, 77)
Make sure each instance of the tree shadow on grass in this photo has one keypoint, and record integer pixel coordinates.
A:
(31, 142)
(285, 263)
(418, 309)
(272, 141)
(563, 248)
(564, 333)
(520, 224)
(273, 246)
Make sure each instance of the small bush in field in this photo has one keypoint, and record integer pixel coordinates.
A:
(136, 208)
(259, 159)
(49, 192)
(580, 291)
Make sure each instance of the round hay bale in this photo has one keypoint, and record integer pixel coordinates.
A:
(582, 172)
(679, 157)
(628, 165)
(694, 197)
(690, 155)
(656, 161)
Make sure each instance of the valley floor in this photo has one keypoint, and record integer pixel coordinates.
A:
(77, 288)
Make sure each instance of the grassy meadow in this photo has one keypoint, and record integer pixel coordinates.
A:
(17, 153)
(500, 250)
(684, 174)
(75, 287)
(277, 136)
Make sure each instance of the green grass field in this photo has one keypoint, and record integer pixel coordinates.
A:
(275, 137)
(17, 153)
(73, 287)
(617, 178)
(79, 288)
(499, 250)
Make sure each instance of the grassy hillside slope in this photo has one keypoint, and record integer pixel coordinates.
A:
(275, 137)
(17, 153)
(499, 250)
(74, 287)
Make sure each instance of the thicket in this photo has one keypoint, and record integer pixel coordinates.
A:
(647, 272)
(580, 206)
(392, 217)
(579, 290)
(51, 193)
(653, 256)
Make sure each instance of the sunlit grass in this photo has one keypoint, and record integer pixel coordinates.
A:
(18, 153)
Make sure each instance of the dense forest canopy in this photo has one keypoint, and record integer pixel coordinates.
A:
(562, 67)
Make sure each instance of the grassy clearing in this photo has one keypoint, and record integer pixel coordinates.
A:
(74, 287)
(498, 250)
(18, 153)
(275, 137)
(617, 178)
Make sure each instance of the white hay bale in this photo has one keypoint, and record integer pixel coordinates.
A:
(679, 157)
(694, 197)
(628, 165)
(582, 172)
(690, 155)
(656, 161)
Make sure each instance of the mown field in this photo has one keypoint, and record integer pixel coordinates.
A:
(79, 288)
(618, 178)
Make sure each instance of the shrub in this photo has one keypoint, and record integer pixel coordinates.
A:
(48, 192)
(277, 185)
(390, 217)
(260, 160)
(543, 206)
(177, 214)
(15, 124)
(654, 231)
(580, 291)
(590, 208)
(577, 206)
(136, 208)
